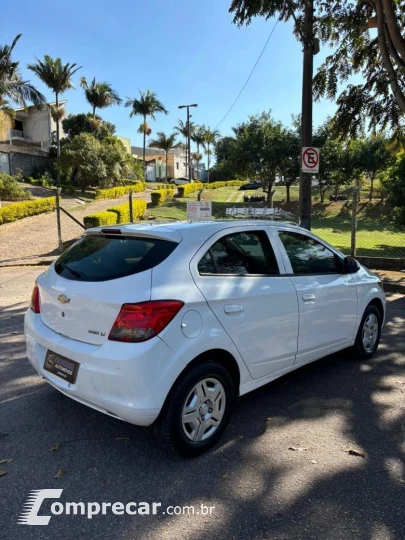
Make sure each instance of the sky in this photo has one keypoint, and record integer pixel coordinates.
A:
(187, 51)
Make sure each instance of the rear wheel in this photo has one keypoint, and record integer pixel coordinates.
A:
(198, 410)
(368, 336)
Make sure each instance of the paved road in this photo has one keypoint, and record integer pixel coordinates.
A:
(34, 240)
(260, 488)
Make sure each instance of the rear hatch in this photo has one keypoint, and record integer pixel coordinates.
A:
(82, 292)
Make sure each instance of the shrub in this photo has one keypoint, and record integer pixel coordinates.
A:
(119, 191)
(12, 212)
(186, 189)
(227, 183)
(164, 186)
(10, 190)
(123, 214)
(100, 219)
(160, 195)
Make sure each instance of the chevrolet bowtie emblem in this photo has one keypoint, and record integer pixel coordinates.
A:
(63, 299)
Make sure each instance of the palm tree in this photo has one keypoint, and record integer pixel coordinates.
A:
(12, 86)
(100, 95)
(210, 137)
(199, 138)
(164, 142)
(147, 105)
(57, 77)
(182, 129)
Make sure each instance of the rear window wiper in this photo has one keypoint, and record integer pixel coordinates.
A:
(66, 267)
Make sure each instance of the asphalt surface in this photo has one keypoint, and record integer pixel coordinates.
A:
(286, 468)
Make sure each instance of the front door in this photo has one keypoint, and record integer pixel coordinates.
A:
(327, 298)
(239, 276)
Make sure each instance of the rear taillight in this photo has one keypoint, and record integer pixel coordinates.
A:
(140, 322)
(35, 300)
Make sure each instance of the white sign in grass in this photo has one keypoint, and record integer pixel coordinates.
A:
(199, 210)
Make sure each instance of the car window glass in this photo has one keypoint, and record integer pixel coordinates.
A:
(101, 258)
(242, 253)
(307, 256)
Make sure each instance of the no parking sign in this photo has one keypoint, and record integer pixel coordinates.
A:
(310, 160)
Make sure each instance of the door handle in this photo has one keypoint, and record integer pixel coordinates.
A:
(230, 309)
(308, 297)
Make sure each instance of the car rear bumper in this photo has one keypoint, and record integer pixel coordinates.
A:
(124, 380)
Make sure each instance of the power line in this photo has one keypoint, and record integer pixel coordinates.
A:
(250, 75)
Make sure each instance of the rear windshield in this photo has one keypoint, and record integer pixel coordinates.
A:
(101, 258)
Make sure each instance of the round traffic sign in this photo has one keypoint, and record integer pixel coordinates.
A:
(310, 158)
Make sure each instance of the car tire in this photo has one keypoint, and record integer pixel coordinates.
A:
(209, 394)
(368, 335)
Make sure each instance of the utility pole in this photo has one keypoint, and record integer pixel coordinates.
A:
(188, 138)
(311, 47)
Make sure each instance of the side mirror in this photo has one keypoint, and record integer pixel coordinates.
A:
(350, 265)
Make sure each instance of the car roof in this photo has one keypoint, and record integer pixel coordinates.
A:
(182, 228)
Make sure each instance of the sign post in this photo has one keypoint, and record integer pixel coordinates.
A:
(310, 160)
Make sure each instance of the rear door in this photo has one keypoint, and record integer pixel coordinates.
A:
(241, 277)
(82, 293)
(327, 298)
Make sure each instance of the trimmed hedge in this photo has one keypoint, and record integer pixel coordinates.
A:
(122, 211)
(116, 214)
(160, 195)
(164, 186)
(119, 191)
(232, 183)
(100, 219)
(20, 210)
(186, 189)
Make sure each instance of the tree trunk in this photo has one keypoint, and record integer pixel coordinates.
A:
(371, 187)
(386, 61)
(208, 171)
(167, 158)
(198, 162)
(57, 136)
(394, 31)
(336, 189)
(287, 189)
(94, 111)
(321, 191)
(144, 147)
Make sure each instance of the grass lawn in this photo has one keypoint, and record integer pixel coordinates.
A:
(376, 237)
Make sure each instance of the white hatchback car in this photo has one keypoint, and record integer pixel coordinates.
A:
(171, 323)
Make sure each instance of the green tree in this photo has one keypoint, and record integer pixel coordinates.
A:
(198, 137)
(83, 157)
(58, 77)
(146, 105)
(260, 149)
(210, 137)
(289, 159)
(394, 186)
(379, 99)
(75, 124)
(374, 156)
(99, 94)
(119, 163)
(166, 143)
(12, 86)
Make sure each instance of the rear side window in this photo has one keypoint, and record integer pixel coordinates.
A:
(244, 253)
(101, 258)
